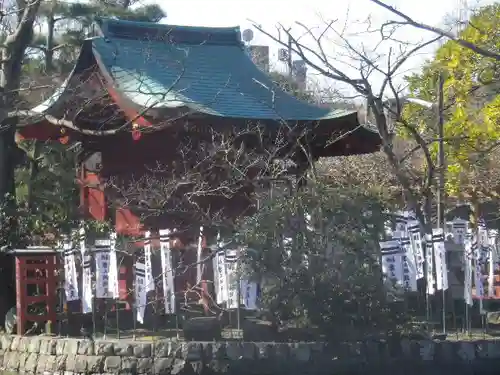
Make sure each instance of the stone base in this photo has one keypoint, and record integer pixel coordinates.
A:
(66, 356)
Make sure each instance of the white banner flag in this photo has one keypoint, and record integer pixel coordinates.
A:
(148, 267)
(113, 287)
(199, 268)
(167, 272)
(478, 267)
(140, 292)
(468, 255)
(70, 275)
(413, 228)
(492, 264)
(478, 280)
(440, 259)
(392, 260)
(220, 274)
(482, 235)
(87, 284)
(231, 260)
(459, 229)
(429, 265)
(409, 265)
(86, 274)
(81, 240)
(249, 294)
(101, 255)
(401, 219)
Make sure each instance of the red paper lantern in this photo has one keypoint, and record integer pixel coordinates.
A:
(136, 135)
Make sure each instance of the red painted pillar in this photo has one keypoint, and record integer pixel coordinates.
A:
(20, 295)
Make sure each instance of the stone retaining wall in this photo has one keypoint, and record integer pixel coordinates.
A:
(65, 356)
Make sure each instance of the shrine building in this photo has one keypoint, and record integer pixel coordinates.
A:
(146, 99)
(139, 89)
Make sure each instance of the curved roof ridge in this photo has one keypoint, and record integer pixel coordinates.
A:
(123, 29)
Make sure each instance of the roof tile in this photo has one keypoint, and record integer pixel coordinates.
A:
(216, 78)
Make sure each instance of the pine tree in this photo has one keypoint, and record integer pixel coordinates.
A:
(64, 26)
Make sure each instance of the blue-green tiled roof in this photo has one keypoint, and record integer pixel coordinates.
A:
(204, 69)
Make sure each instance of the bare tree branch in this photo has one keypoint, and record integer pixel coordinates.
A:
(443, 33)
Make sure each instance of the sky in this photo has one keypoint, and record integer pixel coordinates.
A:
(315, 13)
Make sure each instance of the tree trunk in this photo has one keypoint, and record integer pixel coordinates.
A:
(49, 53)
(7, 162)
(33, 173)
(423, 215)
(12, 55)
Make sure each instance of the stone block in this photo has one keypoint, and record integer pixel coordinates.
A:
(44, 346)
(355, 349)
(14, 345)
(217, 351)
(191, 351)
(166, 348)
(281, 351)
(144, 365)
(392, 349)
(248, 351)
(320, 347)
(71, 346)
(264, 350)
(60, 362)
(162, 366)
(81, 364)
(300, 352)
(233, 351)
(207, 350)
(34, 345)
(194, 367)
(104, 348)
(112, 364)
(71, 363)
(142, 350)
(466, 351)
(6, 341)
(406, 349)
(223, 367)
(178, 367)
(22, 360)
(128, 365)
(31, 363)
(493, 349)
(24, 343)
(46, 363)
(123, 349)
(427, 350)
(481, 349)
(11, 361)
(95, 364)
(445, 352)
(86, 347)
(60, 344)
